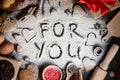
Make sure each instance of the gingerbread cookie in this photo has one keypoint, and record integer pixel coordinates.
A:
(7, 3)
(31, 73)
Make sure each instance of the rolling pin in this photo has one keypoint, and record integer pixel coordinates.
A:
(100, 71)
(113, 30)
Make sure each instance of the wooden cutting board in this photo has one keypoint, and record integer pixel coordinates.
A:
(113, 28)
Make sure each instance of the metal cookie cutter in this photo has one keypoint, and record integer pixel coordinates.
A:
(27, 16)
(97, 51)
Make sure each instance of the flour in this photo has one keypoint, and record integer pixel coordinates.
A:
(58, 38)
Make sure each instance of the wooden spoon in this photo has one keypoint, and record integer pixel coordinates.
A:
(70, 70)
(80, 74)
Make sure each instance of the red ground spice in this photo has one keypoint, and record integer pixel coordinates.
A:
(52, 73)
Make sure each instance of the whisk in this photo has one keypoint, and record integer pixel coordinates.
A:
(38, 13)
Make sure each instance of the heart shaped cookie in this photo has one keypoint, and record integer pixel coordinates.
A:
(31, 73)
(89, 63)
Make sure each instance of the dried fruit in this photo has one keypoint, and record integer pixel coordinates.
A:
(6, 48)
(2, 38)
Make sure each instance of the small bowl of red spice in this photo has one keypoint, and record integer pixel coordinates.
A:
(52, 72)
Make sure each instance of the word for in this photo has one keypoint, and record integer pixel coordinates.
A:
(59, 29)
